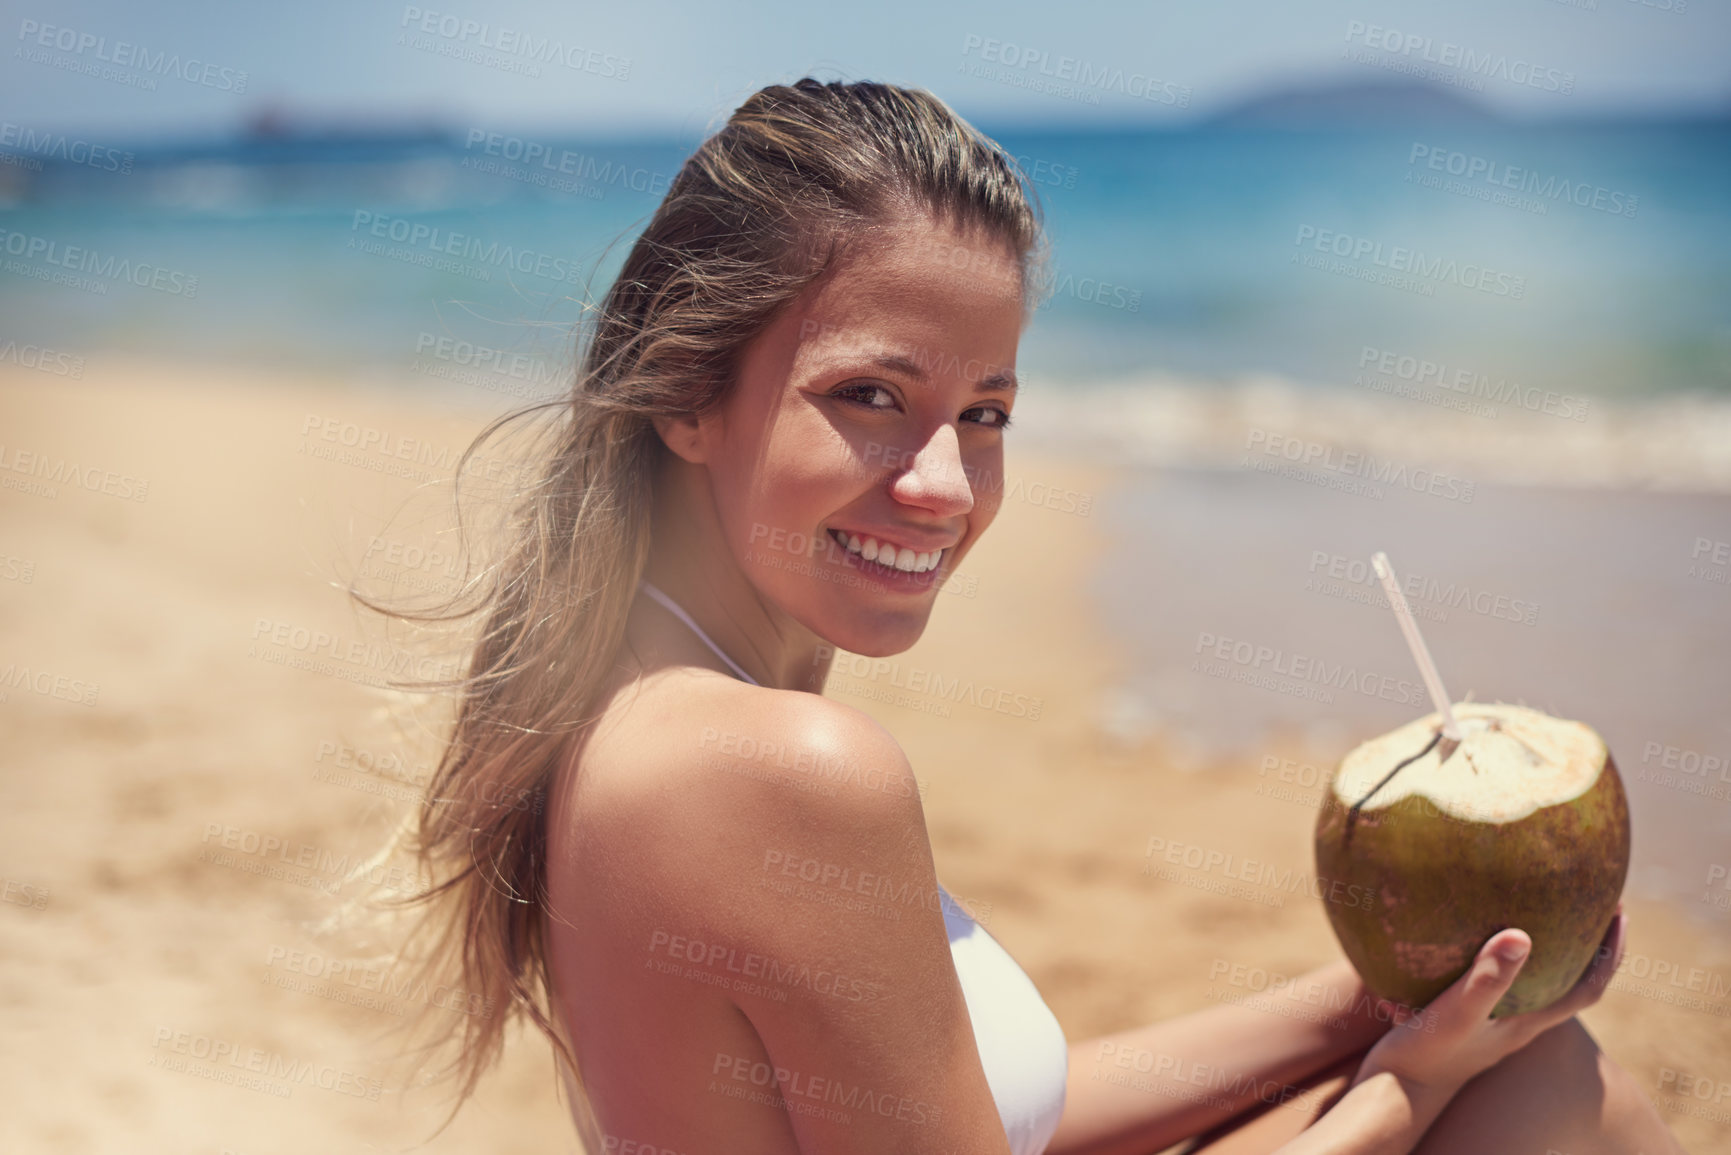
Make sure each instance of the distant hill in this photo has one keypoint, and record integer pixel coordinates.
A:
(1356, 104)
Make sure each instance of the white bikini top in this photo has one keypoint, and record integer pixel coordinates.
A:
(1021, 1045)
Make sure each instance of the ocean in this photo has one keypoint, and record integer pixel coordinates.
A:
(1586, 259)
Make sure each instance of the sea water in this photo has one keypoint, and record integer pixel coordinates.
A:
(1576, 258)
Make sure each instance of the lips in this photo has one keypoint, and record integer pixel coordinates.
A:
(889, 555)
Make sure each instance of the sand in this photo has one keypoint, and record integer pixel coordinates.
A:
(164, 985)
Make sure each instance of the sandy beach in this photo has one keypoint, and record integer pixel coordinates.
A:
(200, 752)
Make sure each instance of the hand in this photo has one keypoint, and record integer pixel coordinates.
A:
(1441, 1047)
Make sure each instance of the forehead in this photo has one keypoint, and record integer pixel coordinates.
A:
(916, 284)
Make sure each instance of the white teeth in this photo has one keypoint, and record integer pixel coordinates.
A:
(904, 559)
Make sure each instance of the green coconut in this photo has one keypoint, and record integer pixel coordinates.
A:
(1523, 824)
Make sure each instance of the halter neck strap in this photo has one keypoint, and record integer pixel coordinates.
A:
(673, 608)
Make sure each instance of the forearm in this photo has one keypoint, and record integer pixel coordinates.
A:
(1381, 1115)
(1144, 1089)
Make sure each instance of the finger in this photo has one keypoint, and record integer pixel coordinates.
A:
(1489, 977)
(1606, 959)
(1586, 991)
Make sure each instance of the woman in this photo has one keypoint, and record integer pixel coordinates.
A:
(788, 427)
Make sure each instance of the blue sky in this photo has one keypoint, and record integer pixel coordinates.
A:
(685, 63)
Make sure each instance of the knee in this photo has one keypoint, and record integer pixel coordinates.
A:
(1558, 1093)
(1567, 1050)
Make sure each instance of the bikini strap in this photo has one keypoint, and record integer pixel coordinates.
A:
(673, 607)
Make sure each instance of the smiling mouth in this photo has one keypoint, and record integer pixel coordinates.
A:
(882, 557)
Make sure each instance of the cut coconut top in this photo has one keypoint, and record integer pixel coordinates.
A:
(1511, 762)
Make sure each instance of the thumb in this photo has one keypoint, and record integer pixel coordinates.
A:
(1489, 977)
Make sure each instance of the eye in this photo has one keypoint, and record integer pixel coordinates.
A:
(867, 393)
(989, 416)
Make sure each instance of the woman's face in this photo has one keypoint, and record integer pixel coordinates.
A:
(861, 454)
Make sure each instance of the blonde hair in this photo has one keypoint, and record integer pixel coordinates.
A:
(762, 208)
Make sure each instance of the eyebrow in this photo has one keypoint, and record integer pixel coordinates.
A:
(1001, 380)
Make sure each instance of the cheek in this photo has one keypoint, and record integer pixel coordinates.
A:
(786, 483)
(985, 470)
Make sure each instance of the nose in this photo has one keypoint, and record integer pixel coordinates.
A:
(936, 480)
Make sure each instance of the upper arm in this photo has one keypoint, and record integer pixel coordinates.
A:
(817, 879)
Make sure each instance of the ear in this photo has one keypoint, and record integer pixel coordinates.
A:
(683, 434)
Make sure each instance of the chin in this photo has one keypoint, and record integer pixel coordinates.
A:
(871, 634)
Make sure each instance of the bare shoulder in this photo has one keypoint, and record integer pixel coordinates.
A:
(691, 768)
(770, 848)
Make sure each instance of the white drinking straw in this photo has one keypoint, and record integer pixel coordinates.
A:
(1415, 642)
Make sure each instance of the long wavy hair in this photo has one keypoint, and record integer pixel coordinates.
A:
(762, 208)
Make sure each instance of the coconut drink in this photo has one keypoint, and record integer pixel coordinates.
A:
(1477, 818)
(1521, 823)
